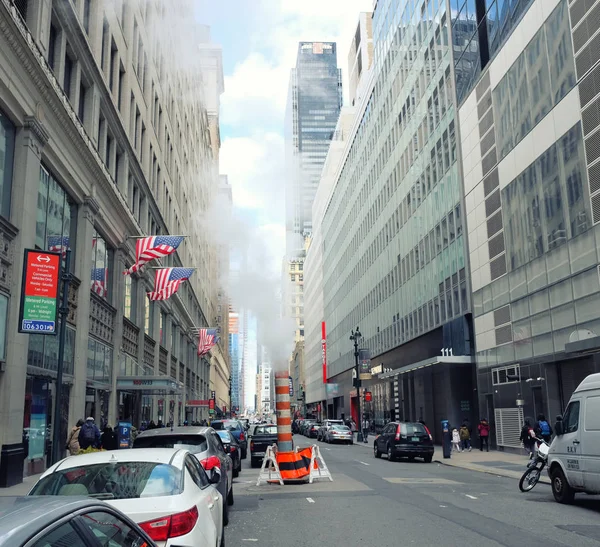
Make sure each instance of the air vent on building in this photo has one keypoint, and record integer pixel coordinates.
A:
(492, 204)
(594, 178)
(491, 182)
(483, 85)
(587, 57)
(578, 10)
(496, 245)
(486, 122)
(509, 422)
(589, 87)
(489, 161)
(590, 117)
(494, 224)
(596, 208)
(487, 142)
(588, 27)
(592, 147)
(502, 316)
(498, 267)
(484, 104)
(504, 335)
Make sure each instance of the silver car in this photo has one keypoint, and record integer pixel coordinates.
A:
(339, 434)
(322, 433)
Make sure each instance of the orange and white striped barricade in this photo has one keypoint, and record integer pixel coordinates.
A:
(269, 470)
(318, 467)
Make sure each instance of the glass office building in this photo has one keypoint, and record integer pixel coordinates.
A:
(529, 144)
(393, 240)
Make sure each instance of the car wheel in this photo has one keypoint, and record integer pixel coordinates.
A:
(563, 493)
(253, 463)
(225, 514)
(230, 496)
(236, 473)
(244, 453)
(390, 454)
(428, 458)
(222, 544)
(376, 451)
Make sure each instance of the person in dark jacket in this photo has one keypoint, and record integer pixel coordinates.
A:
(108, 439)
(527, 437)
(543, 429)
(89, 434)
(484, 434)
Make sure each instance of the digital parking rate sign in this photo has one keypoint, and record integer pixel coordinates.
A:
(39, 292)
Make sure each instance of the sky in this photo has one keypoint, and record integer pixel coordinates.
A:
(259, 40)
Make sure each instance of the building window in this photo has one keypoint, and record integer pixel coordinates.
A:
(100, 266)
(99, 362)
(3, 315)
(506, 375)
(86, 15)
(130, 298)
(161, 333)
(7, 148)
(52, 43)
(56, 215)
(68, 75)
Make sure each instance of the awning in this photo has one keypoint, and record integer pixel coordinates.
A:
(459, 360)
(149, 383)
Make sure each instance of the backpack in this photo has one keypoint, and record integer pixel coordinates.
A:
(544, 428)
(88, 433)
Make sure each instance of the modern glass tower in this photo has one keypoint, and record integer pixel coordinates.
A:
(313, 108)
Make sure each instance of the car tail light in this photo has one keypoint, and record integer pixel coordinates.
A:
(211, 462)
(251, 445)
(398, 433)
(242, 436)
(172, 526)
(428, 432)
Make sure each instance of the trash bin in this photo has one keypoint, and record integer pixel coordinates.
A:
(446, 438)
(124, 434)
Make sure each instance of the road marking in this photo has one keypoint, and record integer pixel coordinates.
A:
(471, 497)
(325, 448)
(364, 463)
(310, 500)
(249, 539)
(443, 506)
(423, 481)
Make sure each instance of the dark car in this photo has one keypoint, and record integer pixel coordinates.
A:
(232, 448)
(72, 521)
(312, 431)
(404, 440)
(262, 437)
(238, 431)
(204, 443)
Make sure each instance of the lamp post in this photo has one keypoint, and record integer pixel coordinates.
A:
(355, 337)
(230, 408)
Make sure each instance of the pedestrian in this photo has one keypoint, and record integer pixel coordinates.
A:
(528, 437)
(152, 425)
(465, 437)
(89, 434)
(365, 430)
(108, 439)
(484, 434)
(73, 439)
(543, 429)
(456, 440)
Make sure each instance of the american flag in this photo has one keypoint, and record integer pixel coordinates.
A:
(100, 281)
(207, 338)
(58, 244)
(167, 282)
(149, 248)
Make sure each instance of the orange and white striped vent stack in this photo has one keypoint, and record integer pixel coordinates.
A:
(282, 408)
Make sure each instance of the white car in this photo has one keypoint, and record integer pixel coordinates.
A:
(164, 490)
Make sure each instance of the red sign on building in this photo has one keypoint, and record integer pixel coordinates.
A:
(324, 350)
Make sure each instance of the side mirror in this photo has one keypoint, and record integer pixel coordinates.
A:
(558, 428)
(214, 475)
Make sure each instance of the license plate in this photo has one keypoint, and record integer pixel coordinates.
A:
(416, 439)
(258, 453)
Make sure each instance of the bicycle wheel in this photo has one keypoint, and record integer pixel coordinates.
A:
(529, 479)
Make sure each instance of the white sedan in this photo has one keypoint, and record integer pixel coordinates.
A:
(165, 490)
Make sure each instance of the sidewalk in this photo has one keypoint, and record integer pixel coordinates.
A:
(20, 489)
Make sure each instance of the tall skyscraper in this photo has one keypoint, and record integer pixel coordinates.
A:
(313, 108)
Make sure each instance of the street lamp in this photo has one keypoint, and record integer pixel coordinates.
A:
(355, 337)
(230, 410)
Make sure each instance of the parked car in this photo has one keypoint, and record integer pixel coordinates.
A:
(404, 440)
(306, 426)
(232, 448)
(66, 521)
(313, 430)
(263, 436)
(165, 490)
(574, 456)
(325, 427)
(339, 433)
(204, 443)
(238, 431)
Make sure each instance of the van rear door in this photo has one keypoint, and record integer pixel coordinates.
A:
(590, 443)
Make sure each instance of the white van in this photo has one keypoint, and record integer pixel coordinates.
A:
(574, 457)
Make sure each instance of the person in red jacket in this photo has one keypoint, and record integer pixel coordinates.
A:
(484, 434)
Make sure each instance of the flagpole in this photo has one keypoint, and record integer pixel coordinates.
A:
(160, 235)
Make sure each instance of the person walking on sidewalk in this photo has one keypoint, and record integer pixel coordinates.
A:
(528, 437)
(365, 430)
(89, 434)
(456, 441)
(484, 434)
(73, 439)
(465, 437)
(543, 429)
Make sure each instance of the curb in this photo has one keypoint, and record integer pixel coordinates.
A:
(494, 471)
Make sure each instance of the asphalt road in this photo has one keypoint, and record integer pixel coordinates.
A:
(380, 503)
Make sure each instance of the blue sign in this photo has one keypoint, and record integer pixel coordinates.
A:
(291, 387)
(124, 433)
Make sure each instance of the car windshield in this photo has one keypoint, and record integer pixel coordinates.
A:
(113, 481)
(225, 435)
(413, 429)
(265, 430)
(193, 443)
(230, 425)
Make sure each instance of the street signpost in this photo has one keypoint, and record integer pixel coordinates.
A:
(38, 312)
